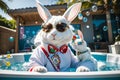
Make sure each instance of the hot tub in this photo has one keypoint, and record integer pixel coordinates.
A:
(108, 69)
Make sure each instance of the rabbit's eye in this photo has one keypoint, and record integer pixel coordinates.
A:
(61, 27)
(47, 28)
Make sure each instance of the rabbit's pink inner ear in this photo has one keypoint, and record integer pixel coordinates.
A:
(80, 34)
(72, 12)
(43, 12)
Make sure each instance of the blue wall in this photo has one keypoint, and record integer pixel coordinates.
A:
(26, 37)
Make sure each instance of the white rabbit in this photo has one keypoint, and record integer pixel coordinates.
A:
(83, 52)
(53, 53)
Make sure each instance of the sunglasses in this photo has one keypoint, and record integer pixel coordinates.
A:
(61, 27)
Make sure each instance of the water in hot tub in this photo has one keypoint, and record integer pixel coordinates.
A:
(6, 63)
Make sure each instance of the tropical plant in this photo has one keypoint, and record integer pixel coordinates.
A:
(3, 6)
(7, 23)
(86, 4)
(3, 21)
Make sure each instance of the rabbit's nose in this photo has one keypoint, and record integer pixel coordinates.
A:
(53, 35)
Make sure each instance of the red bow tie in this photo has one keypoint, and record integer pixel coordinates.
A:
(52, 49)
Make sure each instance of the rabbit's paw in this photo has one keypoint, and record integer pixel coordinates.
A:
(39, 69)
(82, 69)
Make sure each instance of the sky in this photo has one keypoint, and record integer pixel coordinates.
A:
(16, 4)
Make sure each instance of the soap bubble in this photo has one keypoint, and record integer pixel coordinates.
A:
(105, 28)
(87, 13)
(8, 52)
(24, 36)
(93, 37)
(87, 26)
(14, 68)
(94, 8)
(80, 16)
(118, 31)
(11, 39)
(33, 32)
(112, 11)
(27, 41)
(114, 32)
(27, 32)
(117, 18)
(85, 19)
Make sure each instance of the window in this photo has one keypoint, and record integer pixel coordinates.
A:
(100, 28)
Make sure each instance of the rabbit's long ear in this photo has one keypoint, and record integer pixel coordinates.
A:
(43, 12)
(72, 12)
(80, 34)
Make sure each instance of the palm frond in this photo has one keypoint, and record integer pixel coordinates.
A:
(3, 6)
